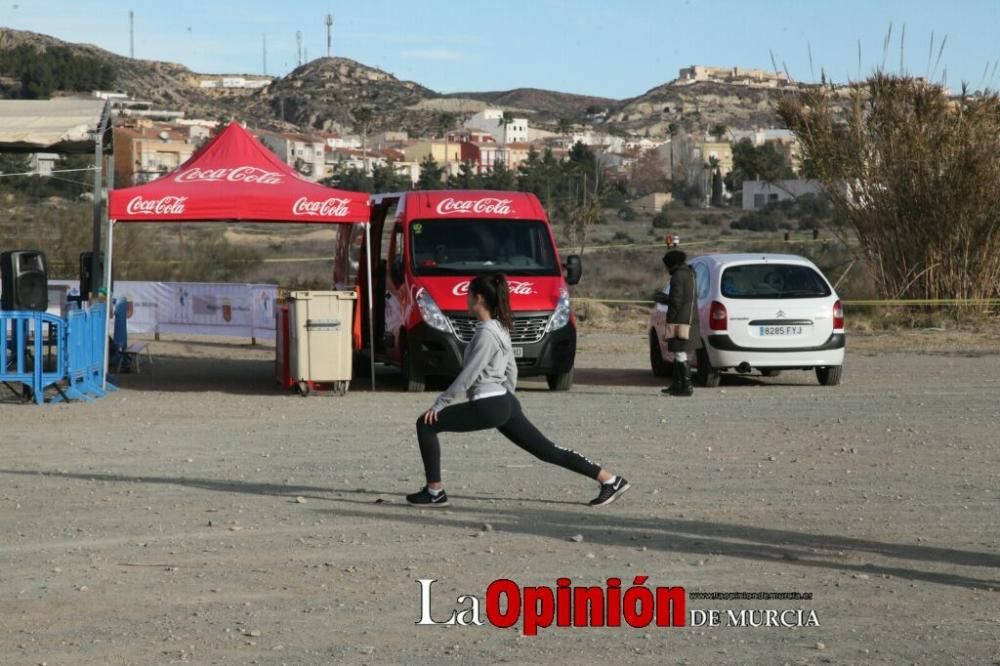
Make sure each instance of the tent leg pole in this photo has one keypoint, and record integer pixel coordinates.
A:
(371, 300)
(107, 302)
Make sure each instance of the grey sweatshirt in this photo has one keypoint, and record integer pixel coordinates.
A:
(488, 367)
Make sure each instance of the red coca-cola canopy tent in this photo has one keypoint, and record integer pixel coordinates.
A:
(235, 178)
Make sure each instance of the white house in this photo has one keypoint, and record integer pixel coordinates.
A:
(760, 193)
(302, 152)
(488, 120)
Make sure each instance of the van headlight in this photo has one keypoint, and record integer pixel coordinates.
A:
(561, 315)
(431, 313)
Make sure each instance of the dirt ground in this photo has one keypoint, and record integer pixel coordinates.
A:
(199, 515)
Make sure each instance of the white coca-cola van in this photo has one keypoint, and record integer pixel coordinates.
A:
(428, 246)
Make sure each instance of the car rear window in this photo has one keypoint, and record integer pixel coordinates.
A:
(773, 281)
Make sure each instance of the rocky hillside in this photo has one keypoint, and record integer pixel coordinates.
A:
(325, 93)
(545, 103)
(701, 104)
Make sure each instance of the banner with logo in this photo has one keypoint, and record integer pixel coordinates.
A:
(197, 308)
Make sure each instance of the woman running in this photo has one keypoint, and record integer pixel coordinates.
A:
(488, 376)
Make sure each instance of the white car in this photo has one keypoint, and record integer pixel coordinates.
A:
(763, 312)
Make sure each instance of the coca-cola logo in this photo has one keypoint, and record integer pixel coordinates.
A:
(517, 288)
(240, 174)
(485, 206)
(163, 206)
(332, 207)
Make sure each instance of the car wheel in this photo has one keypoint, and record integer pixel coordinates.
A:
(830, 375)
(660, 367)
(706, 375)
(412, 379)
(562, 381)
(770, 373)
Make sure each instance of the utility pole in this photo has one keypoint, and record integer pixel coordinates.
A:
(264, 36)
(131, 34)
(329, 33)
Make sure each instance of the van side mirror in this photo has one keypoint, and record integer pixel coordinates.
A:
(574, 269)
(396, 271)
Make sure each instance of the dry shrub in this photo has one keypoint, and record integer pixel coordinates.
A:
(916, 175)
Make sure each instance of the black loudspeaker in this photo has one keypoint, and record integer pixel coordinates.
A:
(91, 273)
(25, 281)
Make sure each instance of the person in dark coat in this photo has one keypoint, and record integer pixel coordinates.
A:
(683, 334)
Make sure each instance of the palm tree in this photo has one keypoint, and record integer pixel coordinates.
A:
(673, 130)
(364, 117)
(506, 118)
(719, 131)
(445, 122)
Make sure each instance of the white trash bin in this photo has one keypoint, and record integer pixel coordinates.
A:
(321, 340)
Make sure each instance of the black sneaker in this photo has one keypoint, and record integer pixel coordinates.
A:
(610, 492)
(425, 498)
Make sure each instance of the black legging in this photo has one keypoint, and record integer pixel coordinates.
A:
(504, 413)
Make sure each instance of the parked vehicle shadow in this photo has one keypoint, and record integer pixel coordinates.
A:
(612, 527)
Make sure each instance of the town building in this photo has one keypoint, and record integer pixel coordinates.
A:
(760, 193)
(490, 120)
(303, 152)
(144, 151)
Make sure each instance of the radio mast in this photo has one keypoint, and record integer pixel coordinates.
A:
(329, 33)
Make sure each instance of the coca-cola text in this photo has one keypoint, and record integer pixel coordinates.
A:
(241, 174)
(332, 207)
(485, 206)
(516, 288)
(164, 206)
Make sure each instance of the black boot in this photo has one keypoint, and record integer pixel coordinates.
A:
(675, 380)
(682, 381)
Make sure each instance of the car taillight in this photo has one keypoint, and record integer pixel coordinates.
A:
(718, 318)
(838, 315)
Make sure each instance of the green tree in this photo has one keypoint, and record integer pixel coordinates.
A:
(719, 131)
(564, 125)
(465, 179)
(500, 178)
(713, 166)
(431, 174)
(385, 178)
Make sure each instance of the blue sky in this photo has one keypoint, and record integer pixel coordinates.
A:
(614, 49)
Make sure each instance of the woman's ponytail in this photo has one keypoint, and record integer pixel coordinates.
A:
(496, 292)
(503, 313)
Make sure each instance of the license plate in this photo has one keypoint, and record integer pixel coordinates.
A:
(518, 352)
(778, 331)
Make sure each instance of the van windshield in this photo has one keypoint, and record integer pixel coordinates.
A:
(459, 246)
(773, 281)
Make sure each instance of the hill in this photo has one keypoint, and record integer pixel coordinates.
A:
(324, 93)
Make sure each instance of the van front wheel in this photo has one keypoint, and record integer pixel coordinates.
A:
(562, 381)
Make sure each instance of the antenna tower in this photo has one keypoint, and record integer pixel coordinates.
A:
(329, 33)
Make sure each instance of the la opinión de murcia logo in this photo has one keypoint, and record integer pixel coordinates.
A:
(169, 205)
(241, 174)
(567, 606)
(332, 207)
(487, 205)
(517, 288)
(612, 605)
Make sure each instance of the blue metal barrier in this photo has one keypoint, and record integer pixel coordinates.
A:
(85, 348)
(22, 344)
(81, 348)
